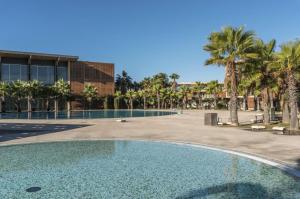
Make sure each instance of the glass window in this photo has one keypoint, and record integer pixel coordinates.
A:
(24, 72)
(5, 72)
(13, 72)
(62, 73)
(33, 72)
(44, 74)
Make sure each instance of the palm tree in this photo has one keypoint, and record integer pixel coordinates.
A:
(213, 88)
(4, 88)
(199, 90)
(31, 89)
(90, 93)
(231, 47)
(156, 86)
(131, 94)
(17, 92)
(289, 63)
(61, 90)
(123, 82)
(118, 95)
(144, 94)
(184, 91)
(174, 77)
(264, 73)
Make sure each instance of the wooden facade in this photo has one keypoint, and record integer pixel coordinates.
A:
(100, 75)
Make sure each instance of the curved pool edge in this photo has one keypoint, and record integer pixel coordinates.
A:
(288, 169)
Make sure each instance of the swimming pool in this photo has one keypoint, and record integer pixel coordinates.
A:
(85, 114)
(136, 169)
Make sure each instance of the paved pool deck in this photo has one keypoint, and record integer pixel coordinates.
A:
(187, 127)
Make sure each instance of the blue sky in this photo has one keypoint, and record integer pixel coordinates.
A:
(143, 37)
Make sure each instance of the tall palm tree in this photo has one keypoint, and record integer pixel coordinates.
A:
(61, 90)
(289, 63)
(31, 89)
(90, 92)
(4, 89)
(17, 92)
(174, 77)
(265, 75)
(231, 47)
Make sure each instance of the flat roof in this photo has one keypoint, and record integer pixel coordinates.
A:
(33, 55)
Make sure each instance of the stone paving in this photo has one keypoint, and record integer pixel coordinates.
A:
(187, 127)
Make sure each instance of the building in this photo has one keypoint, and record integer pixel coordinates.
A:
(48, 68)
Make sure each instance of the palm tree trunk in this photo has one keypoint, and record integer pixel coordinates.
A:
(55, 105)
(171, 103)
(257, 104)
(271, 99)
(145, 103)
(215, 102)
(285, 112)
(158, 100)
(29, 105)
(245, 103)
(131, 104)
(19, 105)
(292, 89)
(200, 101)
(266, 106)
(233, 96)
(1, 104)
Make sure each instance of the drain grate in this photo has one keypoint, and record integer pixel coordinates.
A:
(33, 189)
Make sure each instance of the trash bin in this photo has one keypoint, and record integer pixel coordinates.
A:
(211, 119)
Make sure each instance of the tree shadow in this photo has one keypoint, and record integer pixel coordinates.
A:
(232, 190)
(12, 131)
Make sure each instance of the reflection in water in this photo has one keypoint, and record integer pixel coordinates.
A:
(84, 114)
(68, 153)
(229, 190)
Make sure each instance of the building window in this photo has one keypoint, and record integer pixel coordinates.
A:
(44, 74)
(14, 72)
(62, 73)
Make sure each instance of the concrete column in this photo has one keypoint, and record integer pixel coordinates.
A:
(55, 69)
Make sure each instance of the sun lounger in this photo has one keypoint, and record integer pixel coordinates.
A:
(257, 127)
(121, 120)
(278, 128)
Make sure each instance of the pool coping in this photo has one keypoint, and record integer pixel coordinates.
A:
(294, 172)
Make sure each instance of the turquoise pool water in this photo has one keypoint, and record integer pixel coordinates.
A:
(133, 169)
(85, 114)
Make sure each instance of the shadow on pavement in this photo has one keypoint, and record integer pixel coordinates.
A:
(11, 131)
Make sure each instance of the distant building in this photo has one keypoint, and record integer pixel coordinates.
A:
(48, 68)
